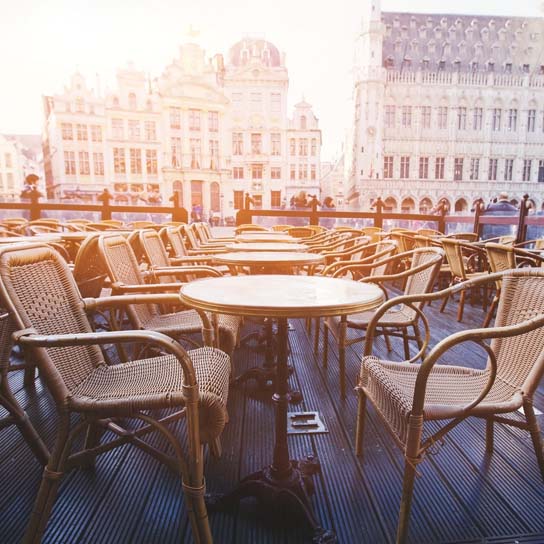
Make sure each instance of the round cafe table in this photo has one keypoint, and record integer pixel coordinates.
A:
(281, 297)
(267, 237)
(266, 262)
(266, 246)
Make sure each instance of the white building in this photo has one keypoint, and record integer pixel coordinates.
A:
(209, 130)
(447, 106)
(11, 170)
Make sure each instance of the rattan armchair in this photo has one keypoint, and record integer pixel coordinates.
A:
(127, 278)
(16, 414)
(39, 291)
(407, 396)
(172, 238)
(419, 278)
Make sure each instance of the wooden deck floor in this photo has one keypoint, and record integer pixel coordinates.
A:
(461, 496)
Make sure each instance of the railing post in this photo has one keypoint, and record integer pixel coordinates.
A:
(378, 218)
(442, 211)
(35, 210)
(522, 227)
(105, 198)
(179, 214)
(243, 217)
(478, 209)
(314, 219)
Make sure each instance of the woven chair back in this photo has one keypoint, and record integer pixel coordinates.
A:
(174, 237)
(372, 233)
(404, 242)
(89, 270)
(300, 232)
(454, 256)
(520, 359)
(155, 253)
(123, 268)
(539, 244)
(500, 257)
(465, 236)
(189, 237)
(7, 327)
(40, 292)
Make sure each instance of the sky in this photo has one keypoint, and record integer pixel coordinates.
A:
(42, 42)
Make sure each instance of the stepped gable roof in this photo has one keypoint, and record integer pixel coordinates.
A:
(465, 43)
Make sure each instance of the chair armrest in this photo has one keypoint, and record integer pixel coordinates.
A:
(179, 261)
(183, 271)
(30, 338)
(121, 288)
(205, 252)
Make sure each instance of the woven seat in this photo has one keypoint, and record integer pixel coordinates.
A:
(407, 395)
(38, 289)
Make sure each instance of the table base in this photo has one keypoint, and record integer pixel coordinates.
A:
(290, 492)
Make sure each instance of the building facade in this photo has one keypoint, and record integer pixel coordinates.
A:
(209, 130)
(446, 107)
(11, 169)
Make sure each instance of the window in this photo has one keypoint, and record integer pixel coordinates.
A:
(256, 171)
(439, 163)
(492, 171)
(314, 147)
(293, 172)
(508, 169)
(150, 130)
(84, 167)
(458, 169)
(237, 143)
(302, 171)
(303, 122)
(512, 120)
(98, 161)
(151, 161)
(541, 171)
(175, 149)
(195, 152)
(237, 100)
(496, 119)
(461, 118)
(66, 129)
(312, 171)
(8, 161)
(275, 199)
(81, 131)
(117, 129)
(531, 117)
(526, 176)
(390, 116)
(388, 167)
(135, 161)
(275, 141)
(474, 169)
(423, 167)
(292, 147)
(256, 143)
(214, 154)
(406, 116)
(275, 102)
(426, 116)
(10, 180)
(405, 167)
(238, 172)
(477, 118)
(194, 119)
(133, 129)
(175, 117)
(442, 117)
(238, 200)
(70, 163)
(119, 165)
(149, 105)
(213, 121)
(275, 172)
(96, 133)
(256, 100)
(303, 147)
(80, 105)
(132, 103)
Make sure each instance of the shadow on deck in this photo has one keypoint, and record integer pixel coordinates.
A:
(461, 496)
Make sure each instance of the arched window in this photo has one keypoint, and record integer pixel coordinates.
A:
(132, 101)
(390, 204)
(425, 205)
(461, 205)
(303, 122)
(214, 197)
(408, 205)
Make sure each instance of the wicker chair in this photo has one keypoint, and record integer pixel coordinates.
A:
(194, 244)
(419, 278)
(458, 261)
(407, 396)
(172, 238)
(89, 271)
(126, 277)
(205, 234)
(39, 291)
(465, 236)
(300, 232)
(16, 414)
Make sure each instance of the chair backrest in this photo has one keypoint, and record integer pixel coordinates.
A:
(429, 232)
(384, 250)
(372, 233)
(123, 269)
(500, 257)
(539, 243)
(89, 270)
(155, 253)
(520, 359)
(281, 228)
(300, 232)
(38, 289)
(189, 236)
(509, 239)
(174, 238)
(249, 228)
(454, 256)
(465, 236)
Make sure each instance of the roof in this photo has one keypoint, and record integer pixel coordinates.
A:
(248, 49)
(462, 43)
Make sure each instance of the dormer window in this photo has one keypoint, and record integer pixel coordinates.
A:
(398, 45)
(425, 64)
(389, 62)
(441, 65)
(438, 33)
(431, 46)
(413, 46)
(508, 68)
(457, 65)
(396, 22)
(404, 32)
(490, 66)
(413, 22)
(474, 66)
(525, 68)
(422, 32)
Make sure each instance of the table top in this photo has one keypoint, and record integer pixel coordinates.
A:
(47, 237)
(281, 295)
(266, 246)
(264, 258)
(267, 237)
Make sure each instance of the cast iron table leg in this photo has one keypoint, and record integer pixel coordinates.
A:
(285, 481)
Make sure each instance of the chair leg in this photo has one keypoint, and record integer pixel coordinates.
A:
(461, 306)
(325, 344)
(387, 340)
(490, 312)
(419, 341)
(532, 425)
(445, 301)
(342, 356)
(489, 436)
(198, 514)
(360, 429)
(317, 333)
(51, 478)
(406, 343)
